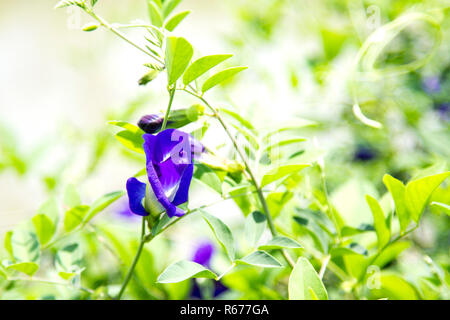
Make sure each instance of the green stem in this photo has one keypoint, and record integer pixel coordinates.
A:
(135, 261)
(108, 26)
(250, 172)
(166, 117)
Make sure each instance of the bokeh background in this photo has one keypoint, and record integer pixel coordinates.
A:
(59, 86)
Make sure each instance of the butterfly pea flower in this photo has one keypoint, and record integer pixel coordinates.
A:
(169, 163)
(152, 123)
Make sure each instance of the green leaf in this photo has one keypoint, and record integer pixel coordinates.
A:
(282, 143)
(155, 14)
(101, 203)
(255, 224)
(71, 196)
(280, 242)
(238, 118)
(281, 172)
(221, 232)
(208, 177)
(397, 190)
(183, 270)
(220, 77)
(29, 268)
(379, 221)
(93, 2)
(74, 217)
(418, 193)
(51, 210)
(314, 230)
(169, 6)
(25, 246)
(394, 287)
(175, 20)
(67, 3)
(443, 206)
(131, 140)
(178, 55)
(7, 243)
(45, 229)
(305, 279)
(202, 65)
(260, 259)
(68, 261)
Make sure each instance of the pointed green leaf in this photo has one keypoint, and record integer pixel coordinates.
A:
(305, 279)
(183, 270)
(281, 172)
(51, 210)
(418, 193)
(74, 217)
(443, 206)
(29, 268)
(379, 222)
(155, 14)
(101, 203)
(7, 243)
(260, 259)
(208, 177)
(255, 224)
(220, 77)
(202, 65)
(169, 6)
(397, 190)
(45, 229)
(131, 140)
(178, 55)
(280, 242)
(221, 232)
(175, 20)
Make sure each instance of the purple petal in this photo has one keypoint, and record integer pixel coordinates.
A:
(203, 253)
(183, 188)
(136, 193)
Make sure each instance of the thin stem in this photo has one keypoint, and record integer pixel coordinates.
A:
(324, 266)
(250, 172)
(135, 260)
(65, 284)
(166, 117)
(330, 211)
(108, 26)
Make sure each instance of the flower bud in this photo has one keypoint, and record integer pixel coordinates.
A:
(90, 27)
(151, 123)
(149, 76)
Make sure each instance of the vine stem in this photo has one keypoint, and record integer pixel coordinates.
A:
(250, 172)
(166, 117)
(108, 26)
(135, 261)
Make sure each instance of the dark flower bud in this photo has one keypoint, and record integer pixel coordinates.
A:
(364, 153)
(149, 76)
(151, 123)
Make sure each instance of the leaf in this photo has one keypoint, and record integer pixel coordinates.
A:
(315, 231)
(71, 196)
(305, 279)
(178, 55)
(183, 270)
(255, 224)
(220, 77)
(208, 177)
(395, 288)
(280, 242)
(277, 200)
(283, 143)
(169, 6)
(238, 118)
(29, 268)
(131, 140)
(350, 231)
(281, 172)
(155, 14)
(45, 229)
(397, 190)
(443, 206)
(381, 228)
(7, 243)
(101, 203)
(25, 246)
(260, 259)
(418, 193)
(221, 232)
(175, 20)
(93, 2)
(202, 65)
(74, 217)
(68, 261)
(50, 209)
(67, 3)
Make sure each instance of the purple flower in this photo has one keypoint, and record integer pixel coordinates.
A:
(431, 84)
(203, 253)
(170, 156)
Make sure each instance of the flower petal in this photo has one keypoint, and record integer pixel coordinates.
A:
(136, 193)
(182, 192)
